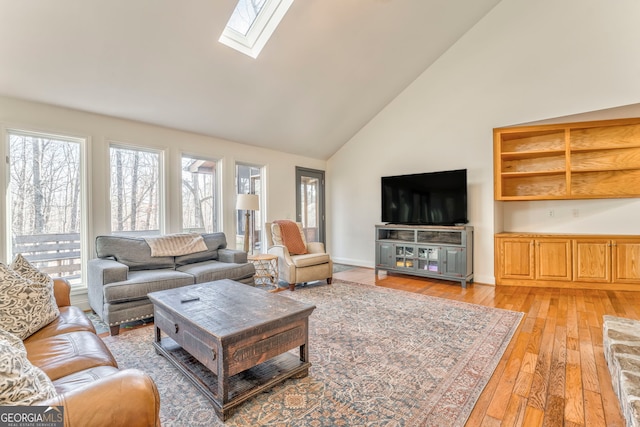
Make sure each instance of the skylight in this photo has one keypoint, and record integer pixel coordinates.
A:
(252, 23)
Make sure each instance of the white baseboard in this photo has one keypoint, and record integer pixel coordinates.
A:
(80, 300)
(354, 262)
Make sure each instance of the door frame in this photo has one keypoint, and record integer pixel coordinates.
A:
(319, 174)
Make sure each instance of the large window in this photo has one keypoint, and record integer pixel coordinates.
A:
(135, 190)
(249, 181)
(46, 197)
(199, 195)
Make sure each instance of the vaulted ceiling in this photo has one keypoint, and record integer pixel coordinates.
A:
(328, 69)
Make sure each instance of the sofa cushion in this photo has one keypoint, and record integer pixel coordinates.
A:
(141, 282)
(64, 354)
(133, 252)
(81, 378)
(209, 271)
(25, 306)
(21, 383)
(308, 260)
(71, 319)
(214, 241)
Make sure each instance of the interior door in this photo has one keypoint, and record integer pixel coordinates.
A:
(310, 203)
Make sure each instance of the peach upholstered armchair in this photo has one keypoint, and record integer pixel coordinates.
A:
(313, 265)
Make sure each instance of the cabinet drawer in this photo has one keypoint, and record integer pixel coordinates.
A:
(188, 338)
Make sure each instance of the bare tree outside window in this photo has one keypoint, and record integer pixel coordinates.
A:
(45, 205)
(199, 198)
(135, 182)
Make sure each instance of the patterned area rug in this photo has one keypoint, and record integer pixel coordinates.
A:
(380, 357)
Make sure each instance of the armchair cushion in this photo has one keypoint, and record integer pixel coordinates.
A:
(289, 234)
(308, 260)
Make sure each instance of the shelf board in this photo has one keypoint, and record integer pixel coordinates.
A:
(607, 148)
(532, 173)
(512, 155)
(605, 169)
(516, 197)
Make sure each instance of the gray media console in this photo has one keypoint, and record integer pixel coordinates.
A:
(430, 251)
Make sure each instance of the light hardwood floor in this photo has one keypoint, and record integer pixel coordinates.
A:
(553, 372)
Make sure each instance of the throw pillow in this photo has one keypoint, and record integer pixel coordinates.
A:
(21, 383)
(24, 268)
(25, 306)
(291, 236)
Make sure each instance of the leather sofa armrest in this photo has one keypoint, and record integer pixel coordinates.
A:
(315, 248)
(127, 398)
(232, 255)
(105, 271)
(62, 292)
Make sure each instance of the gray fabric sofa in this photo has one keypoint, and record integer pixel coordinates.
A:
(124, 272)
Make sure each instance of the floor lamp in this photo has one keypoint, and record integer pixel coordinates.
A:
(247, 203)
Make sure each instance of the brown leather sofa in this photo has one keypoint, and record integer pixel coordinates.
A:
(93, 391)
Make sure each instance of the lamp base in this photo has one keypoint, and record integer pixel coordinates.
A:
(246, 232)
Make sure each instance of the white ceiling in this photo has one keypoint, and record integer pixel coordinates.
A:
(328, 69)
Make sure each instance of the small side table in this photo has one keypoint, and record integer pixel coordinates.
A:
(266, 268)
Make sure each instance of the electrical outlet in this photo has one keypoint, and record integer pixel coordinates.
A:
(551, 213)
(575, 213)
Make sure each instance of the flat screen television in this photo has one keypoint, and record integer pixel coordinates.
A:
(433, 198)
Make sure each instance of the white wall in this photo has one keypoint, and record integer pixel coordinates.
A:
(101, 130)
(525, 61)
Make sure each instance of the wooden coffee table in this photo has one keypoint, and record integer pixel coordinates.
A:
(231, 340)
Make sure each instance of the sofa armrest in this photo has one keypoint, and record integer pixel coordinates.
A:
(127, 398)
(232, 255)
(62, 292)
(282, 253)
(315, 248)
(105, 271)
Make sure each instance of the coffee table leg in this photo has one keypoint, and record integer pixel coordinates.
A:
(304, 353)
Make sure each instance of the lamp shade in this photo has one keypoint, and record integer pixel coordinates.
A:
(247, 202)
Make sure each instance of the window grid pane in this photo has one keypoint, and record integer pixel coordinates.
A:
(46, 200)
(135, 191)
(199, 198)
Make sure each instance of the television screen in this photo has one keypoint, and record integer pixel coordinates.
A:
(434, 198)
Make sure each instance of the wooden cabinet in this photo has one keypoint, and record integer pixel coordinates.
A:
(514, 258)
(592, 260)
(553, 259)
(626, 260)
(530, 258)
(582, 160)
(580, 261)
